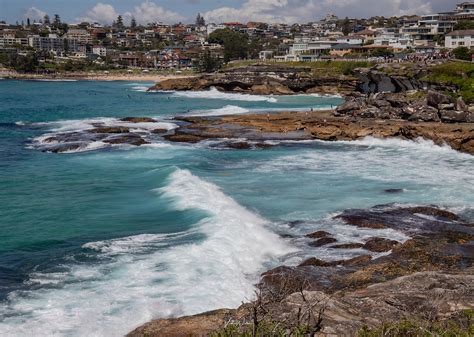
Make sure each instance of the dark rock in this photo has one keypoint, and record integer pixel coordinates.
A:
(358, 260)
(239, 145)
(315, 262)
(435, 98)
(380, 245)
(318, 235)
(454, 116)
(407, 219)
(348, 246)
(393, 190)
(361, 220)
(131, 139)
(64, 147)
(138, 120)
(160, 131)
(295, 223)
(322, 242)
(350, 106)
(425, 114)
(111, 129)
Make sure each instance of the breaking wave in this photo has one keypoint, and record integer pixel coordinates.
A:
(152, 275)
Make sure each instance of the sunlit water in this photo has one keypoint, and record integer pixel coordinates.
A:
(95, 243)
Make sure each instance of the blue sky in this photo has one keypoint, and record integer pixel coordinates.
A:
(215, 10)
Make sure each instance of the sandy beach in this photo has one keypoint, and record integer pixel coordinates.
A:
(145, 77)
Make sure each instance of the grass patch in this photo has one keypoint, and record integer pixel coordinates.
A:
(459, 74)
(321, 69)
(461, 326)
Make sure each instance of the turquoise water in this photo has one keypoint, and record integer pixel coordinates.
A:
(95, 243)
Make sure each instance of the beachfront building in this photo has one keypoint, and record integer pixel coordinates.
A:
(265, 55)
(99, 51)
(50, 43)
(460, 38)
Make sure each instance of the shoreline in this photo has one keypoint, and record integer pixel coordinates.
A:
(77, 76)
(316, 125)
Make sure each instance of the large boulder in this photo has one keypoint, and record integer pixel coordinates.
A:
(435, 98)
(349, 106)
(454, 116)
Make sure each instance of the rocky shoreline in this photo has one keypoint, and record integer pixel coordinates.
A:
(261, 79)
(252, 131)
(428, 277)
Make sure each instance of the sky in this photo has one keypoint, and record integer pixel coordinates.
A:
(173, 11)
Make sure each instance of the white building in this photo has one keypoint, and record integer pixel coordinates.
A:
(265, 55)
(99, 50)
(212, 27)
(460, 38)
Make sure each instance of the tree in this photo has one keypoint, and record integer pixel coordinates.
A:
(235, 43)
(200, 21)
(56, 21)
(463, 53)
(133, 23)
(464, 25)
(46, 20)
(119, 22)
(346, 26)
(208, 63)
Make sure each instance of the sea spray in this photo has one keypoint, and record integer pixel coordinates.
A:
(138, 278)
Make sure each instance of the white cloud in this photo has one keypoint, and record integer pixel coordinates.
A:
(34, 13)
(290, 11)
(149, 12)
(103, 13)
(144, 13)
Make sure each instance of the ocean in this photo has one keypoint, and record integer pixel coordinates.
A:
(99, 240)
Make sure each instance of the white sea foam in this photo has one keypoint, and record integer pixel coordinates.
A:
(227, 110)
(213, 93)
(140, 88)
(70, 126)
(147, 276)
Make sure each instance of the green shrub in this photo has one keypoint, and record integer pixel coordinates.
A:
(463, 53)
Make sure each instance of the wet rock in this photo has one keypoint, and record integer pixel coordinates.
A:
(318, 235)
(295, 223)
(110, 129)
(316, 262)
(138, 120)
(360, 220)
(184, 137)
(322, 242)
(380, 245)
(348, 246)
(393, 190)
(408, 219)
(358, 260)
(65, 147)
(159, 131)
(239, 145)
(131, 139)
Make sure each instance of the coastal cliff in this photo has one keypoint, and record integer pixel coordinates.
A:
(265, 80)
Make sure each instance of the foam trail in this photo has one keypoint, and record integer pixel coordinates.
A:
(147, 276)
(227, 110)
(213, 93)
